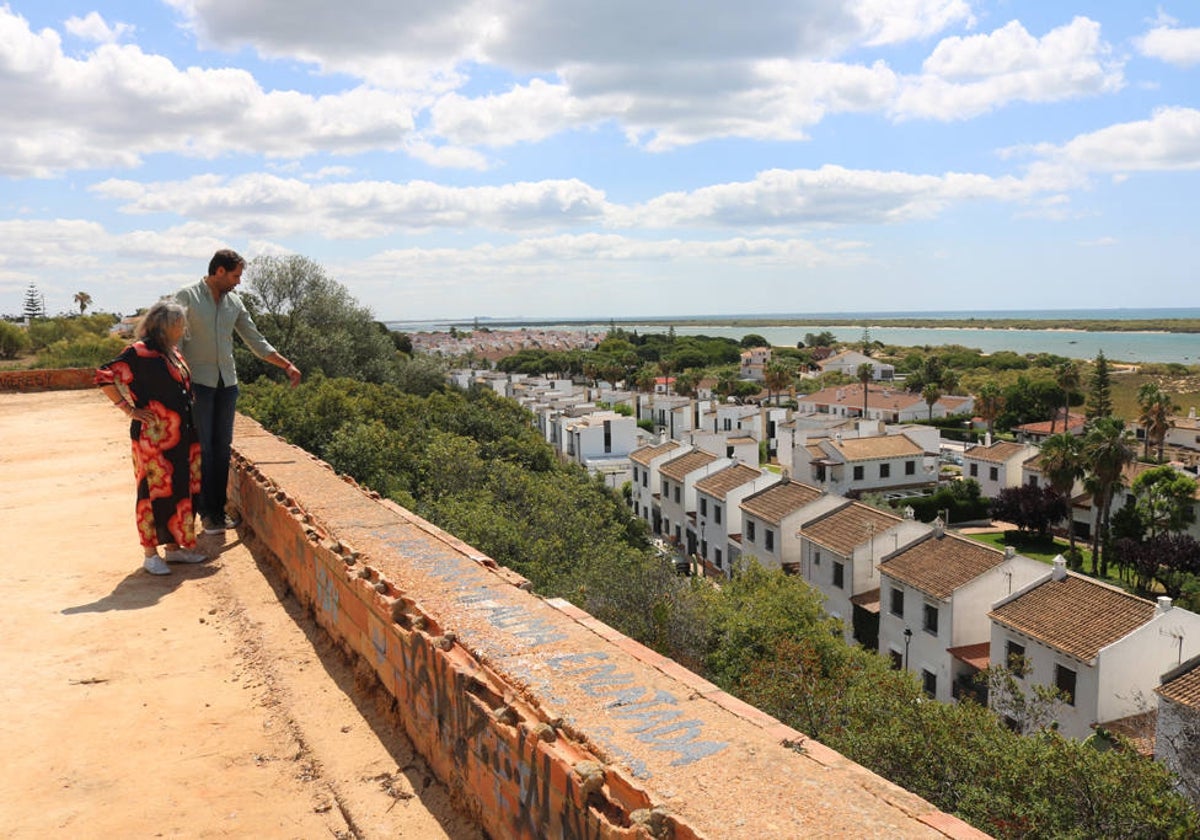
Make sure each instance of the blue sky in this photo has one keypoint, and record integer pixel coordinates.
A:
(559, 158)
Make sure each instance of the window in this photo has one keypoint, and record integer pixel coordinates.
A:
(839, 575)
(703, 506)
(1064, 681)
(676, 494)
(858, 473)
(993, 473)
(929, 682)
(717, 557)
(645, 478)
(608, 436)
(666, 490)
(897, 660)
(910, 467)
(717, 514)
(678, 535)
(930, 619)
(635, 475)
(885, 470)
(897, 602)
(974, 471)
(750, 530)
(816, 558)
(728, 425)
(1014, 658)
(704, 549)
(1033, 481)
(768, 539)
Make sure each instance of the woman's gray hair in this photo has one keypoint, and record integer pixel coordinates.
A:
(162, 315)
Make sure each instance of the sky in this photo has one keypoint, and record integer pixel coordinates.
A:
(585, 159)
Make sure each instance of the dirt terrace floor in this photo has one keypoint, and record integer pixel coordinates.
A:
(202, 704)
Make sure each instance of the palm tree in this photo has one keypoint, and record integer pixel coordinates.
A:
(1156, 408)
(866, 372)
(1108, 447)
(1068, 377)
(990, 404)
(686, 383)
(931, 393)
(84, 300)
(1061, 460)
(776, 376)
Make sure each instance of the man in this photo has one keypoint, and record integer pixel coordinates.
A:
(214, 313)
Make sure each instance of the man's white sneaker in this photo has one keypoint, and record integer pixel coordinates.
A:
(182, 555)
(155, 565)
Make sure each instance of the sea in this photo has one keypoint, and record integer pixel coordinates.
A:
(1133, 347)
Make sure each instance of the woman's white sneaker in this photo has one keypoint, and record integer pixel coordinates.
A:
(155, 565)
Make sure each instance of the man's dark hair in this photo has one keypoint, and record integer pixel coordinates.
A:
(227, 259)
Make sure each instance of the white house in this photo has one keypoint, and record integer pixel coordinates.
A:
(737, 445)
(883, 402)
(847, 362)
(678, 478)
(997, 466)
(753, 361)
(772, 519)
(934, 597)
(841, 554)
(1104, 648)
(672, 416)
(600, 442)
(719, 513)
(883, 462)
(646, 483)
(1177, 736)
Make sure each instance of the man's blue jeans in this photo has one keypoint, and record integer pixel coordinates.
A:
(213, 410)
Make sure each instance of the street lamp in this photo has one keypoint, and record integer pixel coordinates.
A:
(907, 640)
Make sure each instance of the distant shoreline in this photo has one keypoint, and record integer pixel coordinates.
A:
(1147, 325)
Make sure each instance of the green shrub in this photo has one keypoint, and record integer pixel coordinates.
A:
(14, 341)
(82, 352)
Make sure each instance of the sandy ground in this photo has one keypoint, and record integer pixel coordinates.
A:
(202, 704)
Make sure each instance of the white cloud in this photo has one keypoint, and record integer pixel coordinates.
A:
(968, 76)
(94, 28)
(75, 113)
(895, 21)
(1180, 47)
(268, 206)
(1168, 141)
(1100, 242)
(826, 196)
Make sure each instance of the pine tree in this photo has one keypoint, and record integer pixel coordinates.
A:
(35, 307)
(1099, 403)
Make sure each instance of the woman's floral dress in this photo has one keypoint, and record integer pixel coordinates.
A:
(166, 452)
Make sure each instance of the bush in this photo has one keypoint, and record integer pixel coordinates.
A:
(83, 352)
(14, 341)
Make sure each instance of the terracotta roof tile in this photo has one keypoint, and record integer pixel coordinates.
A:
(1076, 614)
(677, 468)
(868, 600)
(997, 453)
(849, 527)
(940, 565)
(722, 481)
(977, 655)
(1184, 687)
(777, 501)
(647, 454)
(879, 446)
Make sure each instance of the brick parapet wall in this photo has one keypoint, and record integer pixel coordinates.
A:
(543, 721)
(63, 379)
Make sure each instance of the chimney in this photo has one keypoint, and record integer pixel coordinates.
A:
(1009, 552)
(1060, 569)
(987, 439)
(1164, 605)
(939, 527)
(1192, 413)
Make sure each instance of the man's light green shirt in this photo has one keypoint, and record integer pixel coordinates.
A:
(208, 344)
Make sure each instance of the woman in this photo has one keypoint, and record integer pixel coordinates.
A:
(151, 384)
